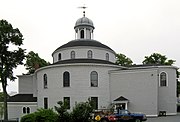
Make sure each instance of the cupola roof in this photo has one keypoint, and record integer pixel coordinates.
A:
(84, 21)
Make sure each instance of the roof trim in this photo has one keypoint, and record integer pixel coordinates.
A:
(148, 66)
(97, 61)
(121, 98)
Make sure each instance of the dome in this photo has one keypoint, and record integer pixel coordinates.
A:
(84, 21)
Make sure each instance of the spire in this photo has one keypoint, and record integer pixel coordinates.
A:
(83, 7)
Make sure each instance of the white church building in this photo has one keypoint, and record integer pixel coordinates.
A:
(85, 68)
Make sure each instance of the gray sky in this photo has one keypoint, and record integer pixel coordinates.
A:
(136, 28)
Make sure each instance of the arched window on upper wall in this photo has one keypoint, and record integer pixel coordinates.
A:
(163, 79)
(94, 79)
(89, 54)
(59, 56)
(73, 54)
(66, 79)
(107, 56)
(82, 34)
(45, 81)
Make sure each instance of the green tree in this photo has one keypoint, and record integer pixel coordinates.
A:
(64, 116)
(178, 84)
(82, 112)
(178, 88)
(33, 62)
(122, 60)
(1, 97)
(157, 58)
(11, 55)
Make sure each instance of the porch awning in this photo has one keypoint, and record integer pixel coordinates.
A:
(121, 99)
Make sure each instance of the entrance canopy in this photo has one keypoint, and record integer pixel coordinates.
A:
(121, 102)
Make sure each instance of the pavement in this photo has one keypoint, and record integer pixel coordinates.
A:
(175, 118)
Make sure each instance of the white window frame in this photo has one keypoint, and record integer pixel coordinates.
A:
(92, 80)
(45, 81)
(89, 54)
(107, 56)
(160, 79)
(73, 54)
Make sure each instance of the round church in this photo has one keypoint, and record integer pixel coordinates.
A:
(84, 69)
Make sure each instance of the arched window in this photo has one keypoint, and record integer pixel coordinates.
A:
(107, 56)
(24, 110)
(163, 79)
(28, 110)
(72, 54)
(66, 79)
(82, 34)
(45, 81)
(94, 79)
(59, 56)
(89, 54)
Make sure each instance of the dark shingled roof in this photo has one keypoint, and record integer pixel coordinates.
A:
(121, 98)
(22, 98)
(83, 42)
(98, 61)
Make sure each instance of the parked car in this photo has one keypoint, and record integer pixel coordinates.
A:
(124, 116)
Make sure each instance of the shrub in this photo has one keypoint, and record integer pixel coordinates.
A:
(81, 112)
(63, 115)
(45, 115)
(28, 118)
(41, 115)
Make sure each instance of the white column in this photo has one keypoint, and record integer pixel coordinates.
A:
(78, 34)
(85, 35)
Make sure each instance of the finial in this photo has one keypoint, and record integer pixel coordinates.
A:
(84, 13)
(83, 7)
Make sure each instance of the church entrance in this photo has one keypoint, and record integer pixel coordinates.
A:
(121, 103)
(121, 106)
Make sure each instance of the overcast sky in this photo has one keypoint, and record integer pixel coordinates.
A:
(136, 28)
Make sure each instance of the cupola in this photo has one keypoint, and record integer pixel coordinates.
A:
(84, 28)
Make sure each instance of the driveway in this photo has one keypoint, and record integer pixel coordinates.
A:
(165, 119)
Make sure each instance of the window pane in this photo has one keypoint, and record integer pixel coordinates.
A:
(24, 110)
(82, 34)
(59, 56)
(28, 110)
(67, 102)
(45, 103)
(94, 79)
(72, 54)
(89, 54)
(163, 79)
(66, 79)
(45, 81)
(107, 56)
(95, 102)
